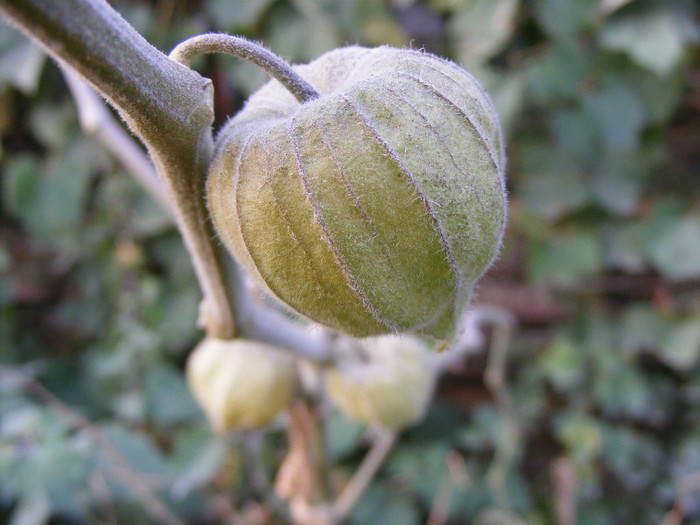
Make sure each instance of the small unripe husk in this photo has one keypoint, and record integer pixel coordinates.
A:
(390, 388)
(374, 208)
(240, 383)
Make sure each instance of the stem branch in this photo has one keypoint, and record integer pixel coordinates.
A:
(364, 474)
(249, 51)
(167, 105)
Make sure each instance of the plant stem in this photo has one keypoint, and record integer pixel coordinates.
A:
(168, 106)
(249, 51)
(97, 121)
(364, 474)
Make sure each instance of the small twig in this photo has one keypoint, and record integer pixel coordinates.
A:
(252, 444)
(456, 477)
(363, 475)
(99, 487)
(441, 504)
(249, 51)
(494, 376)
(119, 466)
(301, 478)
(495, 380)
(97, 121)
(564, 491)
(686, 485)
(225, 512)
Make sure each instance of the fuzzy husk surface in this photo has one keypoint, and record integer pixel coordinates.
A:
(373, 208)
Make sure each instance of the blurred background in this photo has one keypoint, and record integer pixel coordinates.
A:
(597, 417)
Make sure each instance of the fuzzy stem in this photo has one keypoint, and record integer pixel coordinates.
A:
(167, 105)
(249, 51)
(97, 121)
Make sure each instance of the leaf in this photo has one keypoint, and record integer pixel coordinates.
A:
(20, 184)
(625, 246)
(178, 312)
(553, 183)
(632, 456)
(138, 450)
(642, 329)
(198, 459)
(621, 389)
(574, 130)
(563, 19)
(484, 427)
(675, 248)
(342, 435)
(618, 113)
(232, 15)
(507, 91)
(168, 400)
(384, 30)
(421, 466)
(482, 27)
(495, 516)
(56, 467)
(382, 506)
(297, 38)
(32, 510)
(682, 348)
(21, 60)
(653, 38)
(564, 260)
(560, 71)
(55, 126)
(581, 435)
(617, 181)
(688, 454)
(661, 96)
(562, 364)
(50, 201)
(441, 423)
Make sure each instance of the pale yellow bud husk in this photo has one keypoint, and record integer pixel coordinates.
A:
(390, 387)
(240, 383)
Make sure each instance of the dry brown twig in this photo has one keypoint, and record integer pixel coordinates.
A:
(363, 475)
(495, 379)
(565, 488)
(456, 477)
(686, 486)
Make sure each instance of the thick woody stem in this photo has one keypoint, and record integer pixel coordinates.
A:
(249, 51)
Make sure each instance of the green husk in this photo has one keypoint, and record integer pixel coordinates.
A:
(374, 208)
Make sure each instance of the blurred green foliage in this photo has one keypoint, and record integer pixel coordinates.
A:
(600, 413)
